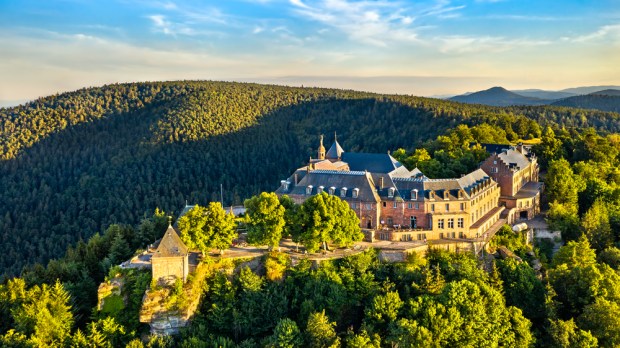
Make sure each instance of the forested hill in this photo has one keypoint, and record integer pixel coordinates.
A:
(72, 164)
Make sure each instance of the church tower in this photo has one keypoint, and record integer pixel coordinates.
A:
(321, 150)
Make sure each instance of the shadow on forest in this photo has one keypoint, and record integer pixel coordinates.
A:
(78, 181)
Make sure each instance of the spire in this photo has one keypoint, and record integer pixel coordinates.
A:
(335, 151)
(169, 221)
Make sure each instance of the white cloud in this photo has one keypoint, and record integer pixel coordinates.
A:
(491, 44)
(377, 23)
(606, 32)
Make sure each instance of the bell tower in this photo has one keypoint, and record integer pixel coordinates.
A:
(321, 151)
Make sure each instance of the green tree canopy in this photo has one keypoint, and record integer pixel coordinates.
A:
(264, 219)
(326, 218)
(206, 228)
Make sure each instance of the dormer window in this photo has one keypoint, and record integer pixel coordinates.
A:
(332, 190)
(460, 193)
(320, 189)
(356, 192)
(343, 192)
(391, 192)
(284, 184)
(431, 194)
(414, 194)
(446, 194)
(309, 190)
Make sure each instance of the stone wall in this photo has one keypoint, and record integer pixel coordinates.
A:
(169, 268)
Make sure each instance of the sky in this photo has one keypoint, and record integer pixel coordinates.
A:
(425, 48)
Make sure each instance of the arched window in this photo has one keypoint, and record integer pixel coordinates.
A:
(343, 192)
(309, 190)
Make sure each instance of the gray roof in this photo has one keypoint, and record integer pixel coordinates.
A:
(171, 245)
(335, 151)
(513, 158)
(339, 180)
(452, 186)
(372, 162)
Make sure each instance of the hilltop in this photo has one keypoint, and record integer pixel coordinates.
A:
(74, 163)
(498, 96)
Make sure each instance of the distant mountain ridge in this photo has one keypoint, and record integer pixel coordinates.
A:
(498, 96)
(604, 98)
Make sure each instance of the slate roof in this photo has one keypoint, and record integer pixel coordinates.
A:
(494, 148)
(425, 185)
(339, 180)
(171, 245)
(512, 157)
(335, 151)
(372, 162)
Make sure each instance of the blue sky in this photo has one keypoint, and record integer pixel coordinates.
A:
(412, 47)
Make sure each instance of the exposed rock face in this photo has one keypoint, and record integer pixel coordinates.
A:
(164, 320)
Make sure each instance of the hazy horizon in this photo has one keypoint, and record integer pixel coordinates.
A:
(426, 48)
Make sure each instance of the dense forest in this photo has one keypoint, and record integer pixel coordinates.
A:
(74, 163)
(444, 299)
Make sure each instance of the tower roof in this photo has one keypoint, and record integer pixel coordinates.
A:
(171, 245)
(335, 151)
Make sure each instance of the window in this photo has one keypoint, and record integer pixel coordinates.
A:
(390, 221)
(320, 189)
(431, 195)
(493, 169)
(461, 235)
(309, 190)
(451, 223)
(284, 184)
(414, 221)
(447, 207)
(462, 206)
(395, 205)
(356, 192)
(494, 162)
(440, 223)
(414, 194)
(432, 207)
(446, 194)
(460, 223)
(441, 235)
(332, 190)
(384, 204)
(343, 192)
(368, 206)
(410, 206)
(391, 192)
(417, 206)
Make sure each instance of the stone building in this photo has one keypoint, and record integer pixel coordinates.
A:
(396, 204)
(515, 168)
(170, 260)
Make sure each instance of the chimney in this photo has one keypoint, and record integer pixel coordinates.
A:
(380, 182)
(295, 179)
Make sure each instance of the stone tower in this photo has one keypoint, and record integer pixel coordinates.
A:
(170, 260)
(321, 151)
